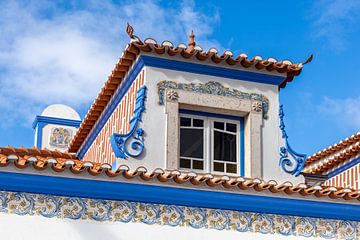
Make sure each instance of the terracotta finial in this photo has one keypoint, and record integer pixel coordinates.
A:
(130, 30)
(192, 39)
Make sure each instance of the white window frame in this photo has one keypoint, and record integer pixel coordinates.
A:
(208, 155)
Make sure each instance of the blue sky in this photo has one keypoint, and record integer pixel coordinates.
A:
(62, 52)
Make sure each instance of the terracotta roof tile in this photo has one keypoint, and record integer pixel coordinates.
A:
(166, 48)
(333, 156)
(59, 162)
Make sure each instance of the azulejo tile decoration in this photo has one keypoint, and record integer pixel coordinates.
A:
(123, 211)
(214, 88)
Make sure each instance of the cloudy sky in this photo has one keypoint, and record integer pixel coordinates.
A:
(62, 52)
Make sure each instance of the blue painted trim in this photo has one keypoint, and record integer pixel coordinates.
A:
(117, 97)
(121, 143)
(41, 121)
(212, 70)
(175, 196)
(53, 120)
(223, 116)
(343, 168)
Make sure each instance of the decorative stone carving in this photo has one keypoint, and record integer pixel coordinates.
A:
(172, 95)
(256, 106)
(213, 88)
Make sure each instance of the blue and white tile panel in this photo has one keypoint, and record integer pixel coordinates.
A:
(177, 216)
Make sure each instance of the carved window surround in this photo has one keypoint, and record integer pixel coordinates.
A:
(251, 110)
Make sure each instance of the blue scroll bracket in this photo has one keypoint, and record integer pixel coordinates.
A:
(290, 161)
(131, 144)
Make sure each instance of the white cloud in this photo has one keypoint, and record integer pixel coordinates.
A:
(345, 112)
(52, 54)
(333, 20)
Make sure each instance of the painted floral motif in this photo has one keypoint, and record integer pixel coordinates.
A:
(284, 225)
(326, 228)
(240, 221)
(218, 219)
(73, 208)
(214, 88)
(123, 211)
(98, 210)
(21, 203)
(60, 137)
(49, 206)
(172, 215)
(347, 230)
(305, 227)
(148, 213)
(263, 223)
(195, 217)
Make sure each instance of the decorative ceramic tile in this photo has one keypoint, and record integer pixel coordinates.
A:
(176, 216)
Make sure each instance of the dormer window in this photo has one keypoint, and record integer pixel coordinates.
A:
(210, 142)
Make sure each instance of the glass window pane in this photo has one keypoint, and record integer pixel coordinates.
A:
(191, 142)
(198, 122)
(198, 164)
(185, 163)
(185, 122)
(219, 167)
(219, 125)
(231, 168)
(230, 127)
(224, 146)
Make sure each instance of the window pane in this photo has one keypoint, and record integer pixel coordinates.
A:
(185, 122)
(230, 127)
(192, 143)
(185, 163)
(198, 164)
(231, 168)
(219, 125)
(224, 146)
(198, 122)
(219, 167)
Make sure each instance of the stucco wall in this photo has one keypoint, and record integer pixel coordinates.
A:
(154, 123)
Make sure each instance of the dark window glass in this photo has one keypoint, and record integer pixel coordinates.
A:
(224, 146)
(230, 127)
(219, 167)
(231, 168)
(192, 143)
(185, 122)
(198, 164)
(198, 122)
(185, 163)
(219, 125)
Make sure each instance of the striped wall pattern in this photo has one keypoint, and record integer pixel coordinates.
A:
(347, 179)
(100, 150)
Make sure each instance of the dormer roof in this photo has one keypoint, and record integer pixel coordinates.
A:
(136, 46)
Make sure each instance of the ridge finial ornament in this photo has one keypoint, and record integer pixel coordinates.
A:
(290, 161)
(130, 30)
(192, 40)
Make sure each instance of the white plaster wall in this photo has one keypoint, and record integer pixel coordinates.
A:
(154, 122)
(46, 131)
(17, 227)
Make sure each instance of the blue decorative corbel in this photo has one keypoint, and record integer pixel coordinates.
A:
(290, 161)
(131, 144)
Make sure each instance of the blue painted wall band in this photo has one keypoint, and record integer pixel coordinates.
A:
(175, 196)
(171, 65)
